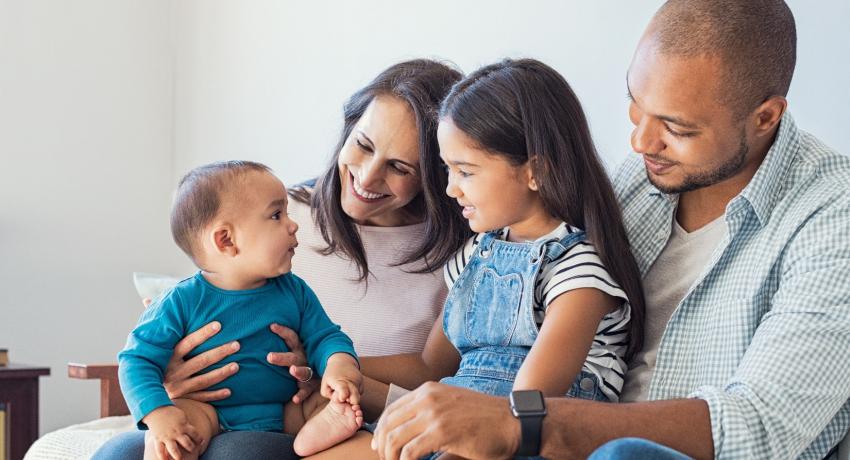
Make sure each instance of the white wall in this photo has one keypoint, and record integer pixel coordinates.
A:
(86, 132)
(104, 103)
(266, 79)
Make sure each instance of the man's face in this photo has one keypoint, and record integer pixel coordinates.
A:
(688, 138)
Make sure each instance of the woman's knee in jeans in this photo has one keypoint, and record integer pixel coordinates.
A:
(235, 444)
(129, 445)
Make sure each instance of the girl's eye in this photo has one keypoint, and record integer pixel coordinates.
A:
(463, 173)
(276, 215)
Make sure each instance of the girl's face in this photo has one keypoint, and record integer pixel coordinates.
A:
(493, 193)
(379, 165)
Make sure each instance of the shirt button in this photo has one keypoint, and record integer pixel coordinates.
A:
(586, 384)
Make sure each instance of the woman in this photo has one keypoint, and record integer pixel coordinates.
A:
(376, 227)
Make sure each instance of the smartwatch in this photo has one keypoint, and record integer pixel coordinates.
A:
(529, 407)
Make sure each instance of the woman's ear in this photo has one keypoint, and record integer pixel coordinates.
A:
(224, 241)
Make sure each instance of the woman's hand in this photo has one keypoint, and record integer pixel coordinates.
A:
(179, 381)
(296, 360)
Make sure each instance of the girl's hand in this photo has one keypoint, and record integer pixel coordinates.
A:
(296, 360)
(179, 381)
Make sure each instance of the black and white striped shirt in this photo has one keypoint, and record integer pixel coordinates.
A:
(578, 267)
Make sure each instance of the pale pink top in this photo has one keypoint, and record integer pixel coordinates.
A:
(396, 312)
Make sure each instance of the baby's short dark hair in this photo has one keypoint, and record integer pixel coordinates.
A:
(199, 197)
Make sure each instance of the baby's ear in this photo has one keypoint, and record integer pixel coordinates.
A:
(223, 240)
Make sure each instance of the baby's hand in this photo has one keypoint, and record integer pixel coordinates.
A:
(169, 430)
(342, 380)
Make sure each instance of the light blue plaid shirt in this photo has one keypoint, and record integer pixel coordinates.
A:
(763, 335)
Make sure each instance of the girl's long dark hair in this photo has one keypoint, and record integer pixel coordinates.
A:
(422, 83)
(524, 110)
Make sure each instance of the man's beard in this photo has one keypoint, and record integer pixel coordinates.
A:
(703, 179)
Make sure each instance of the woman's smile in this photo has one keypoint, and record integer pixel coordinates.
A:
(361, 193)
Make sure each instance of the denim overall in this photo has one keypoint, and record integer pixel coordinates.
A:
(489, 314)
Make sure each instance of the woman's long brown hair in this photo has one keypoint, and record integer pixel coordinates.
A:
(422, 84)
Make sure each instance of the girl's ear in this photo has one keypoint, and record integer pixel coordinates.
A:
(529, 174)
(223, 240)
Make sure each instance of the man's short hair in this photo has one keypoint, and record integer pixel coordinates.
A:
(756, 40)
(199, 197)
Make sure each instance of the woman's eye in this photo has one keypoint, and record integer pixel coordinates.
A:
(463, 173)
(400, 171)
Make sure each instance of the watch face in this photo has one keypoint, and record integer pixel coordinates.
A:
(527, 401)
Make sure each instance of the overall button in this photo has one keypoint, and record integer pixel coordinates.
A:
(586, 384)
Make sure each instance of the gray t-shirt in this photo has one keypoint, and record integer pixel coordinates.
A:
(668, 280)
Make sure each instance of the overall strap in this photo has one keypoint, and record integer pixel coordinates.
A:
(553, 249)
(486, 241)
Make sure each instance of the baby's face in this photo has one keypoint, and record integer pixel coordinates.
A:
(265, 235)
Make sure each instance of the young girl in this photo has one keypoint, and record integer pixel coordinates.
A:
(547, 295)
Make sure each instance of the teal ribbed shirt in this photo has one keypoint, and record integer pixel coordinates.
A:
(259, 389)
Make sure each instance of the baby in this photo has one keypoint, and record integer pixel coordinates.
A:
(231, 219)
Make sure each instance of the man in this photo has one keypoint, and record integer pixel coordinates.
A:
(739, 222)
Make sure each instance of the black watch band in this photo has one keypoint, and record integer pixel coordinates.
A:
(529, 407)
(531, 427)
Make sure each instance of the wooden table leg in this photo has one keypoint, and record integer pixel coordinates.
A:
(21, 399)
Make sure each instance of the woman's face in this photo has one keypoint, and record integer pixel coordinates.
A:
(379, 165)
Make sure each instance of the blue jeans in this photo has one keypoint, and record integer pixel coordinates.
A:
(637, 449)
(225, 446)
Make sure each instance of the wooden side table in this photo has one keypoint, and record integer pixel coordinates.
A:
(19, 392)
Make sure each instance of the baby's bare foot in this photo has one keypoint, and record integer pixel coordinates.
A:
(334, 424)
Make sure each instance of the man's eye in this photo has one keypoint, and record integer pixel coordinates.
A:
(678, 134)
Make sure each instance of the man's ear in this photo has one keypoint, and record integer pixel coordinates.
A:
(223, 240)
(769, 114)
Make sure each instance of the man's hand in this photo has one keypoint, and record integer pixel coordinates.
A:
(442, 418)
(170, 434)
(179, 381)
(342, 380)
(296, 360)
